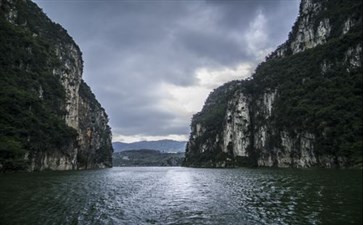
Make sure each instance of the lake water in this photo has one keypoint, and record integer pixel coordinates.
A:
(175, 195)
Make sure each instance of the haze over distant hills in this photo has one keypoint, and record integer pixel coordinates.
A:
(160, 145)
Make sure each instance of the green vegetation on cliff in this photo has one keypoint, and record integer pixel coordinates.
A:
(41, 126)
(325, 102)
(31, 97)
(319, 91)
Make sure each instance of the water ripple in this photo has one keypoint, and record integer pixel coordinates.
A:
(182, 196)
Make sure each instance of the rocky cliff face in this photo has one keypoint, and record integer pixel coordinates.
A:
(95, 135)
(303, 106)
(63, 126)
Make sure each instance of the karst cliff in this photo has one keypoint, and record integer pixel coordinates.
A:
(49, 118)
(301, 108)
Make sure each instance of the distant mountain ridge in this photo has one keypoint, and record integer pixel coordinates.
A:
(160, 145)
(147, 157)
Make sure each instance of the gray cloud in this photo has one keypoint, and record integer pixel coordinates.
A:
(131, 47)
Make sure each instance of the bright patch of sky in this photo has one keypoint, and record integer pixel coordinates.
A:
(152, 64)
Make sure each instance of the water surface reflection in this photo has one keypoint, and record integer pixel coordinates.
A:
(173, 195)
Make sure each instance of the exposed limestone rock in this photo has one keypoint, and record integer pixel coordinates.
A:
(311, 30)
(236, 130)
(91, 148)
(307, 37)
(309, 7)
(351, 22)
(354, 57)
(95, 135)
(70, 73)
(325, 66)
(251, 132)
(12, 14)
(347, 25)
(294, 152)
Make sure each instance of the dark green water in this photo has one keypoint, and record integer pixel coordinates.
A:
(182, 196)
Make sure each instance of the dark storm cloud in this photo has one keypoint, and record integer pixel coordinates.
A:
(212, 48)
(130, 47)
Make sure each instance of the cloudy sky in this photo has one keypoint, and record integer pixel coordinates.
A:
(152, 63)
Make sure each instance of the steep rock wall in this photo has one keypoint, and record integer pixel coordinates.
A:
(63, 126)
(303, 106)
(95, 135)
(318, 22)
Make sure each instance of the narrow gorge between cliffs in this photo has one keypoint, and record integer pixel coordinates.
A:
(181, 112)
